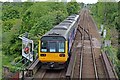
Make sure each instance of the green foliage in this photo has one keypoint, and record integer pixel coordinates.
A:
(73, 8)
(44, 24)
(118, 54)
(34, 18)
(107, 13)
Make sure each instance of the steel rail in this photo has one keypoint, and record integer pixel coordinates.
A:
(92, 51)
(81, 56)
(94, 61)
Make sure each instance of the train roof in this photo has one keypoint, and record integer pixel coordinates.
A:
(63, 28)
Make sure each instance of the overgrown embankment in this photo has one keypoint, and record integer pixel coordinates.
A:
(107, 14)
(34, 18)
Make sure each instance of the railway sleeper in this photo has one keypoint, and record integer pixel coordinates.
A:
(86, 38)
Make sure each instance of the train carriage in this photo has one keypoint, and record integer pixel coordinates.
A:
(55, 45)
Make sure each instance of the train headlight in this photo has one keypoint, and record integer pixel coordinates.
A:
(62, 55)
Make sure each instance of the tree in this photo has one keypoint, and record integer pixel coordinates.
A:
(73, 8)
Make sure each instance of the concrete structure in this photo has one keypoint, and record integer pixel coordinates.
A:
(104, 33)
(101, 29)
(107, 43)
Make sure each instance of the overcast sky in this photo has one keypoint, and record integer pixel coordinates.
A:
(84, 1)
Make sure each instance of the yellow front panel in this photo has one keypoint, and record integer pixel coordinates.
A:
(54, 57)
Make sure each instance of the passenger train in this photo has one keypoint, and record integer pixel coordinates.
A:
(55, 45)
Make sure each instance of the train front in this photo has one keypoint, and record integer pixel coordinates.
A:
(53, 52)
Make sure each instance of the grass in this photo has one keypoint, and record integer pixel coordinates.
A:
(112, 54)
(108, 36)
(112, 49)
(0, 64)
(7, 61)
(96, 20)
(0, 34)
(0, 48)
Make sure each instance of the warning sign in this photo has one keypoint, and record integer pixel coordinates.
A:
(27, 48)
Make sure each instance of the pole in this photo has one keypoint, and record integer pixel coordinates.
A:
(23, 74)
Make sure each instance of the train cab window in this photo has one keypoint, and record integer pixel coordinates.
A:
(52, 46)
(44, 46)
(61, 46)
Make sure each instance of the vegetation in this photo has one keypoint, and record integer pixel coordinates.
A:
(34, 18)
(106, 13)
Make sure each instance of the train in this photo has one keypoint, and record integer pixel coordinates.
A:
(55, 45)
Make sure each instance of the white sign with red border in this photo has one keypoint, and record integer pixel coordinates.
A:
(27, 48)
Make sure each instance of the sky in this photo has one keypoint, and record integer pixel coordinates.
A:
(87, 1)
(84, 1)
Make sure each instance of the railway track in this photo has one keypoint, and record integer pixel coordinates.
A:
(97, 47)
(84, 62)
(43, 74)
(87, 63)
(49, 74)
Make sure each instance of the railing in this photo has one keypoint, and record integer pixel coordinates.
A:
(113, 59)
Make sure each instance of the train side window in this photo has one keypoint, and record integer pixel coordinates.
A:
(44, 46)
(61, 47)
